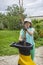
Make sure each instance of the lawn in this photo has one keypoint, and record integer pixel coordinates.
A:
(7, 37)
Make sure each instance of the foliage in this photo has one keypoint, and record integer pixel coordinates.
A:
(13, 22)
(12, 19)
(39, 42)
(38, 25)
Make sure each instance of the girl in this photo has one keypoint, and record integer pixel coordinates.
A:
(29, 34)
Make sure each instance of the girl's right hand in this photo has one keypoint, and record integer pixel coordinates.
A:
(25, 29)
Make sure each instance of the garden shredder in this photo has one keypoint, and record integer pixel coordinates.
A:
(24, 53)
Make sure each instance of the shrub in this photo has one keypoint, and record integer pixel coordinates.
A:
(1, 26)
(41, 33)
(38, 24)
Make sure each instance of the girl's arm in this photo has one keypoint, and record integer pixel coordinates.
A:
(21, 35)
(20, 38)
(31, 32)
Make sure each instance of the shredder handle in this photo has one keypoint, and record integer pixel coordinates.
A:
(11, 45)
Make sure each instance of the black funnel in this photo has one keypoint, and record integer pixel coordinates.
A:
(23, 49)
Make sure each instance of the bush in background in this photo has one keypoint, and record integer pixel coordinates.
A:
(38, 25)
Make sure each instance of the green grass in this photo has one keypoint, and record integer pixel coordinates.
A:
(7, 37)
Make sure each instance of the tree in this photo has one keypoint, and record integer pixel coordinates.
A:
(14, 16)
(15, 11)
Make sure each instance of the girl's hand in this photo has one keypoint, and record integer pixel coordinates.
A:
(25, 29)
(30, 32)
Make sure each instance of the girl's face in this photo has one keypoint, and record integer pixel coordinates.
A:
(27, 25)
